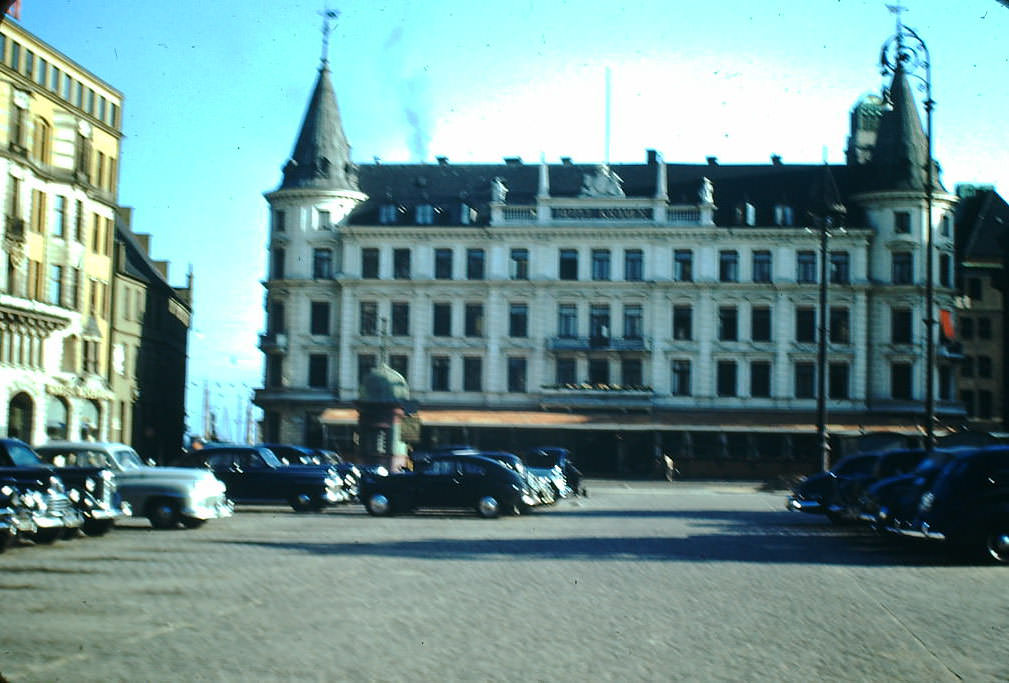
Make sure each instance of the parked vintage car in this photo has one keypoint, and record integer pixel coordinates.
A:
(557, 459)
(847, 499)
(16, 516)
(166, 496)
(452, 480)
(543, 490)
(290, 454)
(819, 492)
(256, 476)
(892, 502)
(968, 504)
(54, 512)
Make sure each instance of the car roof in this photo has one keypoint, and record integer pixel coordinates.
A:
(103, 446)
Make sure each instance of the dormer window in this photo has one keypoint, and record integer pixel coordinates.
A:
(784, 215)
(387, 214)
(750, 213)
(425, 214)
(466, 214)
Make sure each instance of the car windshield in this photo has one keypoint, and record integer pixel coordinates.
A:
(127, 459)
(269, 457)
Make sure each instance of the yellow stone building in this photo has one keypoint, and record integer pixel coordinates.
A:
(60, 134)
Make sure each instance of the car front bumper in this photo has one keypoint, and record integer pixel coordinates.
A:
(800, 505)
(215, 507)
(922, 530)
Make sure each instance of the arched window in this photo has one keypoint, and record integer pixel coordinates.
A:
(90, 420)
(56, 418)
(20, 414)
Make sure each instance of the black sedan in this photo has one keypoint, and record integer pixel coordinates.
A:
(255, 475)
(455, 480)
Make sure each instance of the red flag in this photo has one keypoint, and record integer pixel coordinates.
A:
(946, 320)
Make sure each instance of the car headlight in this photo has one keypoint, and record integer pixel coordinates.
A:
(7, 490)
(107, 475)
(925, 504)
(75, 495)
(89, 484)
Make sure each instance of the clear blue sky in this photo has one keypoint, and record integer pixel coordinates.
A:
(215, 91)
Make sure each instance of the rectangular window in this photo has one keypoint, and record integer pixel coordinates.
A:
(634, 265)
(65, 94)
(683, 265)
(726, 378)
(400, 363)
(568, 264)
(945, 271)
(324, 220)
(840, 332)
(566, 370)
(633, 321)
(599, 323)
(902, 222)
(368, 324)
(322, 264)
(366, 362)
(805, 266)
(516, 375)
(840, 268)
(900, 381)
(518, 320)
(55, 289)
(443, 264)
(38, 211)
(984, 366)
(279, 218)
(630, 372)
(900, 326)
(474, 264)
(567, 321)
(805, 380)
(277, 264)
(984, 404)
(974, 288)
(474, 320)
(401, 264)
(79, 221)
(728, 328)
(29, 64)
(277, 322)
(837, 380)
(440, 366)
(966, 328)
(761, 266)
(425, 214)
(805, 324)
(967, 366)
(387, 214)
(728, 266)
(318, 370)
(400, 318)
(760, 323)
(59, 216)
(369, 263)
(274, 371)
(599, 371)
(984, 328)
(472, 374)
(902, 268)
(320, 318)
(600, 264)
(519, 264)
(760, 379)
(683, 318)
(681, 378)
(442, 320)
(967, 398)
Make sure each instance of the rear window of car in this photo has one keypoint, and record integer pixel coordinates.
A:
(473, 469)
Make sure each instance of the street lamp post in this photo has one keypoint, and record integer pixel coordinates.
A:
(906, 50)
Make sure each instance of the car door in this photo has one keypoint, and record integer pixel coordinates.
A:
(439, 484)
(227, 467)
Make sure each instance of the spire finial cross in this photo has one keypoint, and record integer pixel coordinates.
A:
(329, 17)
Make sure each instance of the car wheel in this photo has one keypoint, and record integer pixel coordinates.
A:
(378, 505)
(193, 522)
(5, 541)
(488, 507)
(47, 536)
(997, 545)
(164, 514)
(305, 502)
(97, 527)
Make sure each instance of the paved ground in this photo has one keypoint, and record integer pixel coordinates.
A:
(641, 581)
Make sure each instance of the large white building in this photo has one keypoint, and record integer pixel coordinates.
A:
(618, 309)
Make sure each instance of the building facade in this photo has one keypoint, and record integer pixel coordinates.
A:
(624, 310)
(69, 335)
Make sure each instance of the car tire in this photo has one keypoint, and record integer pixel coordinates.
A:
(47, 536)
(488, 507)
(97, 527)
(6, 540)
(164, 513)
(997, 544)
(378, 505)
(193, 522)
(305, 502)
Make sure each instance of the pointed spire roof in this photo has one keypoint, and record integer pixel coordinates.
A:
(899, 158)
(321, 157)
